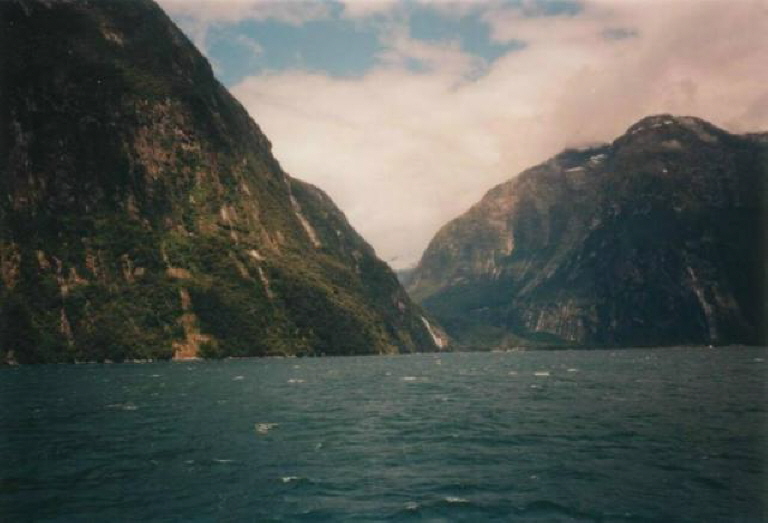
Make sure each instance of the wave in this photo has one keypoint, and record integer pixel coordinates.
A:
(264, 428)
(123, 406)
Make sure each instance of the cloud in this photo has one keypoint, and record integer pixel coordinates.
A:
(404, 150)
(294, 12)
(368, 8)
(252, 45)
(445, 57)
(197, 17)
(387, 8)
(705, 58)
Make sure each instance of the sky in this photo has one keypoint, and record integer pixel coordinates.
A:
(407, 111)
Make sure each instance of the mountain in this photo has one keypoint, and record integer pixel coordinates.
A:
(658, 238)
(143, 215)
(405, 276)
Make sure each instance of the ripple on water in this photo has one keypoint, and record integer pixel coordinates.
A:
(475, 443)
(122, 406)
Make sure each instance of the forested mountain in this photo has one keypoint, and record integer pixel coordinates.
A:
(658, 238)
(142, 214)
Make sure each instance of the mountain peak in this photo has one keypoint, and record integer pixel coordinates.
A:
(660, 123)
(655, 239)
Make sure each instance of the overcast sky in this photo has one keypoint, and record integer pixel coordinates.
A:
(407, 112)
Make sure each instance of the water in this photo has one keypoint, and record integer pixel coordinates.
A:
(667, 435)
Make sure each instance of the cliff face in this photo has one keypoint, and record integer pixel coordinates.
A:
(142, 214)
(656, 239)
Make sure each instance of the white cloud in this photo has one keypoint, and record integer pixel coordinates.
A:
(445, 57)
(197, 16)
(249, 43)
(294, 12)
(367, 8)
(385, 148)
(402, 153)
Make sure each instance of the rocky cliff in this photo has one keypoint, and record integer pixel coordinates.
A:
(658, 238)
(142, 214)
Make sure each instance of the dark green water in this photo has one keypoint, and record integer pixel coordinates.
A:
(667, 435)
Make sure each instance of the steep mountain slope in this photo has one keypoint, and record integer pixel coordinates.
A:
(658, 238)
(143, 215)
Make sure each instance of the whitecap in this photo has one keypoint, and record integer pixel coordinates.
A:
(541, 373)
(263, 428)
(455, 499)
(409, 378)
(122, 406)
(223, 460)
(412, 505)
(294, 380)
(512, 373)
(758, 360)
(289, 479)
(238, 378)
(573, 370)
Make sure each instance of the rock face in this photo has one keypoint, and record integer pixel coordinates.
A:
(143, 215)
(656, 239)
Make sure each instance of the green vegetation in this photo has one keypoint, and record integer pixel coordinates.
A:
(633, 243)
(143, 214)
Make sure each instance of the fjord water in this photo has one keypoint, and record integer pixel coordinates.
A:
(633, 435)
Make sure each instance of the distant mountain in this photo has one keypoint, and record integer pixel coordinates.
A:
(658, 238)
(405, 276)
(144, 216)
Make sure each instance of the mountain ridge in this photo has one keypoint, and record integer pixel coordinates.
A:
(667, 211)
(145, 217)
